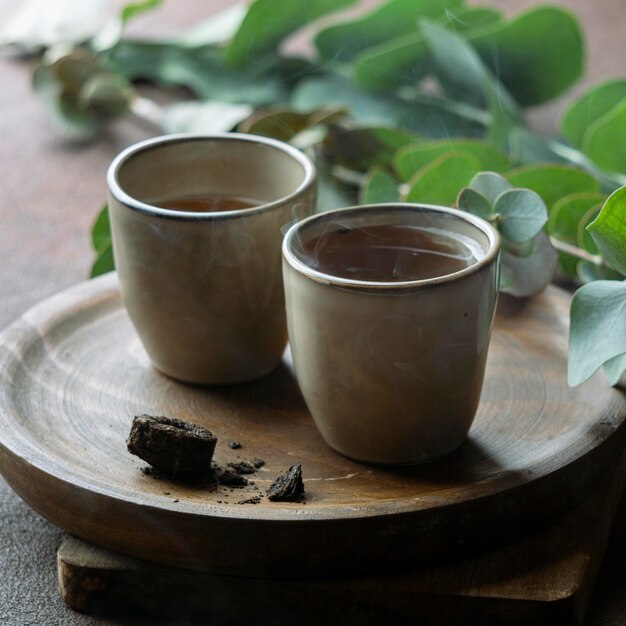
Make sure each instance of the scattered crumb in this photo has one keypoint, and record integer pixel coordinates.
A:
(243, 467)
(258, 462)
(252, 500)
(234, 445)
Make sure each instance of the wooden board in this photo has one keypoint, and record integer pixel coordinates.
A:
(73, 373)
(544, 579)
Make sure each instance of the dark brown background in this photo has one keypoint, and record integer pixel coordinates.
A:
(50, 191)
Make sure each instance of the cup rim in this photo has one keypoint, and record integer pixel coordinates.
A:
(126, 199)
(491, 254)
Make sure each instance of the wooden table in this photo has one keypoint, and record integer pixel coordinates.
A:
(49, 195)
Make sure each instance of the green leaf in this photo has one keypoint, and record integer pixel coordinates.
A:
(604, 140)
(199, 69)
(597, 328)
(552, 182)
(391, 19)
(527, 148)
(268, 22)
(472, 202)
(203, 117)
(564, 219)
(595, 102)
(461, 70)
(133, 9)
(609, 230)
(379, 187)
(104, 262)
(614, 368)
(440, 181)
(362, 148)
(588, 272)
(526, 275)
(404, 60)
(427, 117)
(101, 230)
(522, 214)
(413, 157)
(584, 239)
(489, 185)
(537, 55)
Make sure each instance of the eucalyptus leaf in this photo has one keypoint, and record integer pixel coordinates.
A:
(204, 117)
(474, 203)
(588, 272)
(404, 60)
(462, 71)
(413, 157)
(525, 276)
(597, 328)
(104, 262)
(584, 240)
(522, 214)
(428, 116)
(552, 182)
(362, 148)
(603, 142)
(563, 223)
(537, 55)
(440, 181)
(614, 368)
(132, 9)
(378, 187)
(331, 193)
(268, 22)
(101, 230)
(526, 147)
(609, 230)
(391, 19)
(489, 185)
(199, 69)
(595, 102)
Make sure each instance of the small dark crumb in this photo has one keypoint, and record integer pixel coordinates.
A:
(258, 462)
(177, 500)
(167, 493)
(232, 479)
(252, 500)
(251, 482)
(243, 467)
(219, 502)
(234, 445)
(288, 486)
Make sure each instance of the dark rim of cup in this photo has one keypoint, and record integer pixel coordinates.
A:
(297, 264)
(308, 179)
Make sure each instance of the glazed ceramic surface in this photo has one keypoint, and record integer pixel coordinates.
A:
(204, 290)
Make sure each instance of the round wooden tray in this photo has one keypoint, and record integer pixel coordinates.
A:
(73, 374)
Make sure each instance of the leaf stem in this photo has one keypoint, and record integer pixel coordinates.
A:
(577, 252)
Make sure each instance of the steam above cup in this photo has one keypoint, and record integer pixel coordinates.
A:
(390, 310)
(203, 289)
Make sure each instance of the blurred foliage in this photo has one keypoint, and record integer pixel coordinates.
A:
(418, 100)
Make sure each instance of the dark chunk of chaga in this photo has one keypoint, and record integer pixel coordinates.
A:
(170, 445)
(287, 486)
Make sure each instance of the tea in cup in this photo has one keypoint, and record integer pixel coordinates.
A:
(390, 310)
(197, 223)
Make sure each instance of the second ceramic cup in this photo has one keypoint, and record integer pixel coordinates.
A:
(390, 309)
(203, 288)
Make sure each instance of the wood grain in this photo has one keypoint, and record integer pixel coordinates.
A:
(543, 579)
(73, 374)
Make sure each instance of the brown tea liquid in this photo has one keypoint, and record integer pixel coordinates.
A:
(207, 203)
(390, 253)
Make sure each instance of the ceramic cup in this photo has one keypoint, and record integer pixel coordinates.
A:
(391, 371)
(204, 290)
